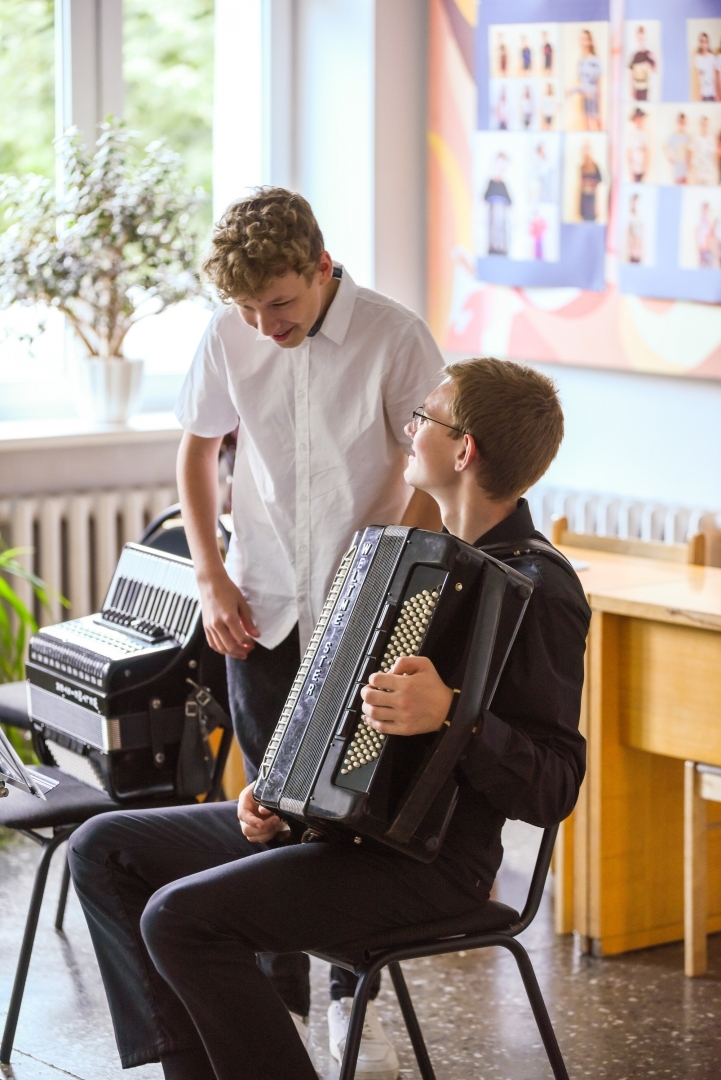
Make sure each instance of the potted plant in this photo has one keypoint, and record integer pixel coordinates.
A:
(17, 622)
(116, 244)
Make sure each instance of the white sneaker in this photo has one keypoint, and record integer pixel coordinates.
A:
(303, 1028)
(377, 1060)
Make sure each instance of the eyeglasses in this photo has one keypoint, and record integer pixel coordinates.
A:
(419, 418)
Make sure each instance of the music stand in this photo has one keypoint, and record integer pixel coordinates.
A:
(12, 771)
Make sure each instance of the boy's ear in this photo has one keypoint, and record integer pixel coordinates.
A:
(325, 266)
(467, 453)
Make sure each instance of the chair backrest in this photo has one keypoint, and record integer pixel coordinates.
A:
(166, 533)
(692, 552)
(538, 880)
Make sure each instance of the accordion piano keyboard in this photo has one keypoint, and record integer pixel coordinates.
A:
(406, 640)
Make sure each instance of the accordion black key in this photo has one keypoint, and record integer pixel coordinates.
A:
(398, 592)
(108, 692)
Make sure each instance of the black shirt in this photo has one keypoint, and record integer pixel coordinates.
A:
(527, 759)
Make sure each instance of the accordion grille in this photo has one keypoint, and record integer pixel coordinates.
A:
(339, 679)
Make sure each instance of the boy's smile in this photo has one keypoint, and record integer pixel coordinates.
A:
(291, 305)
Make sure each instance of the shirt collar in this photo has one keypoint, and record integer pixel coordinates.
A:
(339, 314)
(517, 526)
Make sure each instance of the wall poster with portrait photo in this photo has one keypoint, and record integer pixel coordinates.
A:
(672, 146)
(575, 181)
(539, 84)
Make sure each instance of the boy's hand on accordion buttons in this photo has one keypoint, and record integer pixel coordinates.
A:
(410, 699)
(258, 824)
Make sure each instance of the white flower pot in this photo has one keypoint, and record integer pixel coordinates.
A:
(110, 388)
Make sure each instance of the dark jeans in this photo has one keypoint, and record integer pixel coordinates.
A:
(258, 688)
(179, 903)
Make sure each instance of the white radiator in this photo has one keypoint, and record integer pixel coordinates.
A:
(613, 515)
(76, 538)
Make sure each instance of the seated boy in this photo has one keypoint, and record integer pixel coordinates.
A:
(177, 954)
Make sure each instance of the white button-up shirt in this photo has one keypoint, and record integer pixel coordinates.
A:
(321, 447)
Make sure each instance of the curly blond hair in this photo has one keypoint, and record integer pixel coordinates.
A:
(261, 238)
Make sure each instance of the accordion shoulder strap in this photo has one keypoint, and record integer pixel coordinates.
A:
(507, 549)
(470, 705)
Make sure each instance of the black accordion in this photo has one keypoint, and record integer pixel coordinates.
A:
(398, 592)
(108, 693)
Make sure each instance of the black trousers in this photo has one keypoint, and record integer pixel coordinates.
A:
(258, 688)
(179, 903)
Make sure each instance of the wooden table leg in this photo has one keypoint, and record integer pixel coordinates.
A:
(694, 874)
(563, 877)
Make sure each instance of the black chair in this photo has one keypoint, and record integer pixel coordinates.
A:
(493, 924)
(72, 802)
(166, 533)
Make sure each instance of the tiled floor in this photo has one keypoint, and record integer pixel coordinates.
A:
(621, 1019)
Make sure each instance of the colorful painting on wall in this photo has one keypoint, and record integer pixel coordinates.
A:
(575, 182)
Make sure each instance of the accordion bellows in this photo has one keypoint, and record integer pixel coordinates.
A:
(398, 592)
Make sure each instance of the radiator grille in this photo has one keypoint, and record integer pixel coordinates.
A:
(76, 538)
(327, 710)
(66, 716)
(626, 518)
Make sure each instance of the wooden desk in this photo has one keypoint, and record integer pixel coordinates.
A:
(652, 699)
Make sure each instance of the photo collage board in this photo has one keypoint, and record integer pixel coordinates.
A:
(541, 176)
(669, 198)
(570, 131)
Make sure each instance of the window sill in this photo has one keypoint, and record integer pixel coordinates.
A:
(69, 433)
(71, 455)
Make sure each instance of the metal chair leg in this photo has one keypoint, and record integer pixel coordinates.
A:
(63, 898)
(26, 949)
(411, 1021)
(355, 1027)
(538, 1006)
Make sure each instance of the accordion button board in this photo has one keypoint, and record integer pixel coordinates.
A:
(107, 691)
(406, 640)
(398, 592)
(407, 634)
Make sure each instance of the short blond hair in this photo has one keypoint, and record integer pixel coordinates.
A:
(260, 238)
(514, 415)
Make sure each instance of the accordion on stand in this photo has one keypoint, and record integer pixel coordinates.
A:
(398, 592)
(108, 694)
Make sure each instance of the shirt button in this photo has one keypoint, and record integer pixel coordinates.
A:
(302, 446)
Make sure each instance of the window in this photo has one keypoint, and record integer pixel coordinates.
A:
(168, 74)
(27, 79)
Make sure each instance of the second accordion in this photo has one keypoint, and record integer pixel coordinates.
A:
(398, 592)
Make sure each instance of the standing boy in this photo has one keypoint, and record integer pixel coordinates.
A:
(320, 376)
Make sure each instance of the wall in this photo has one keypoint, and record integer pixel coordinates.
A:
(401, 88)
(340, 88)
(357, 106)
(644, 436)
(334, 156)
(648, 436)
